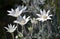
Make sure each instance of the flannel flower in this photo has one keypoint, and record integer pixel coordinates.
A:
(11, 28)
(34, 21)
(22, 20)
(18, 11)
(43, 16)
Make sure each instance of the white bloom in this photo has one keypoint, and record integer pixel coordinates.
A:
(16, 37)
(30, 29)
(18, 11)
(20, 34)
(22, 20)
(10, 28)
(34, 20)
(43, 16)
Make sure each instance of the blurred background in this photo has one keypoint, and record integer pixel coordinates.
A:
(5, 19)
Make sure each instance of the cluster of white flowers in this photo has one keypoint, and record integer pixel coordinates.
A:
(43, 16)
(22, 20)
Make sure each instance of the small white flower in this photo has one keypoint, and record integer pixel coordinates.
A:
(43, 16)
(20, 34)
(16, 37)
(10, 28)
(18, 11)
(22, 20)
(34, 20)
(30, 29)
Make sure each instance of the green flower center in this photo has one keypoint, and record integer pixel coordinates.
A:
(22, 22)
(44, 17)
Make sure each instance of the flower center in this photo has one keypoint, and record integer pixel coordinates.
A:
(22, 22)
(16, 14)
(44, 17)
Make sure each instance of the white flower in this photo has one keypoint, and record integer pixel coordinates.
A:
(18, 11)
(20, 34)
(16, 37)
(30, 29)
(34, 20)
(22, 20)
(10, 28)
(43, 16)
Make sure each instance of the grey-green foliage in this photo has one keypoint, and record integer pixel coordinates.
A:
(50, 5)
(34, 1)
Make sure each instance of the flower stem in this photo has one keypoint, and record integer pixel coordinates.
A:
(49, 28)
(40, 27)
(23, 27)
(12, 35)
(43, 31)
(17, 28)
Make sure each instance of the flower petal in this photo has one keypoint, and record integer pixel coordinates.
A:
(49, 18)
(38, 15)
(41, 11)
(15, 28)
(17, 9)
(48, 12)
(51, 15)
(44, 12)
(27, 19)
(24, 17)
(22, 10)
(6, 28)
(38, 19)
(16, 21)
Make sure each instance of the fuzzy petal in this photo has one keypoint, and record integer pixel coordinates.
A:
(51, 15)
(41, 11)
(24, 17)
(38, 15)
(22, 10)
(48, 11)
(44, 12)
(6, 28)
(16, 21)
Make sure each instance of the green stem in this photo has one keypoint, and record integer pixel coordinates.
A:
(43, 31)
(49, 28)
(17, 28)
(4, 34)
(32, 27)
(12, 35)
(38, 36)
(23, 29)
(39, 28)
